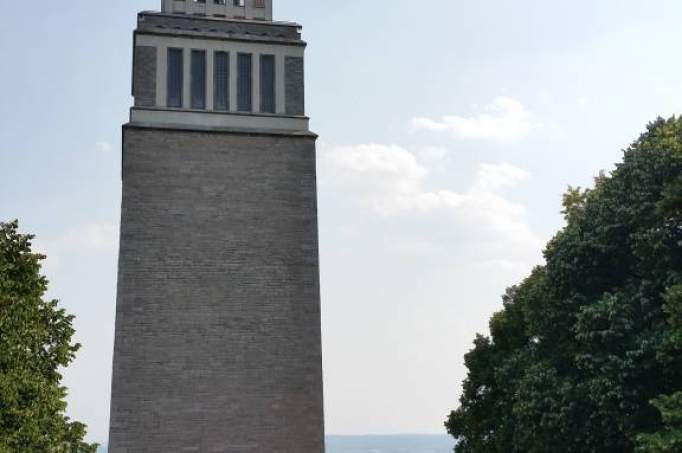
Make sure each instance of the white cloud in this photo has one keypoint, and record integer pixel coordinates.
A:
(492, 177)
(504, 120)
(556, 132)
(431, 154)
(502, 265)
(378, 159)
(585, 101)
(391, 184)
(385, 177)
(104, 147)
(88, 239)
(91, 239)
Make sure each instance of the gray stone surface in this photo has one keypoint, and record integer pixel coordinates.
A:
(144, 76)
(294, 80)
(218, 343)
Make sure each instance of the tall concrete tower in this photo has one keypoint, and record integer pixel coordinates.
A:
(218, 314)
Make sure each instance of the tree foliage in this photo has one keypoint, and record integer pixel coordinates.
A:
(35, 342)
(586, 355)
(668, 438)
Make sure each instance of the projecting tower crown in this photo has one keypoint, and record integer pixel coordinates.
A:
(228, 9)
(218, 65)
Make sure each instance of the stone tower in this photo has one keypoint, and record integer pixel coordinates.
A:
(218, 314)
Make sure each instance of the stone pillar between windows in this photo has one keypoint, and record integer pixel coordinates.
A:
(186, 78)
(210, 78)
(256, 82)
(280, 85)
(233, 80)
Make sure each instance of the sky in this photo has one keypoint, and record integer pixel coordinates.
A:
(448, 132)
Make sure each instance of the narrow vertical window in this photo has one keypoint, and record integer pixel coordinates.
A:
(175, 70)
(221, 81)
(267, 83)
(198, 79)
(244, 83)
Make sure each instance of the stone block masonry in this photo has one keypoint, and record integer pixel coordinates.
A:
(144, 76)
(218, 343)
(295, 85)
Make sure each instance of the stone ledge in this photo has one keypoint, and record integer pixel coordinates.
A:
(220, 121)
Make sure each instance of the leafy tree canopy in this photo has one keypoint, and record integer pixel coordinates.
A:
(586, 355)
(35, 341)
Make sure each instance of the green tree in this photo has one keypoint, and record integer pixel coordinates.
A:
(35, 342)
(588, 341)
(669, 437)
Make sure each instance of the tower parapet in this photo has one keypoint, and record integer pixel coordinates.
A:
(235, 9)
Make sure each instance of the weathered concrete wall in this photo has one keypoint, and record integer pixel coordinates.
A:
(218, 316)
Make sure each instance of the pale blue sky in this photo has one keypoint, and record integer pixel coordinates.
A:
(448, 132)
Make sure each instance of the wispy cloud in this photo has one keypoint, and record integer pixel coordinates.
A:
(431, 154)
(585, 101)
(503, 120)
(492, 177)
(104, 147)
(89, 240)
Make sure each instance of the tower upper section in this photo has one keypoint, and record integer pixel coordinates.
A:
(235, 9)
(218, 64)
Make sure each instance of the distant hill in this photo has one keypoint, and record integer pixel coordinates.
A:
(386, 444)
(390, 444)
